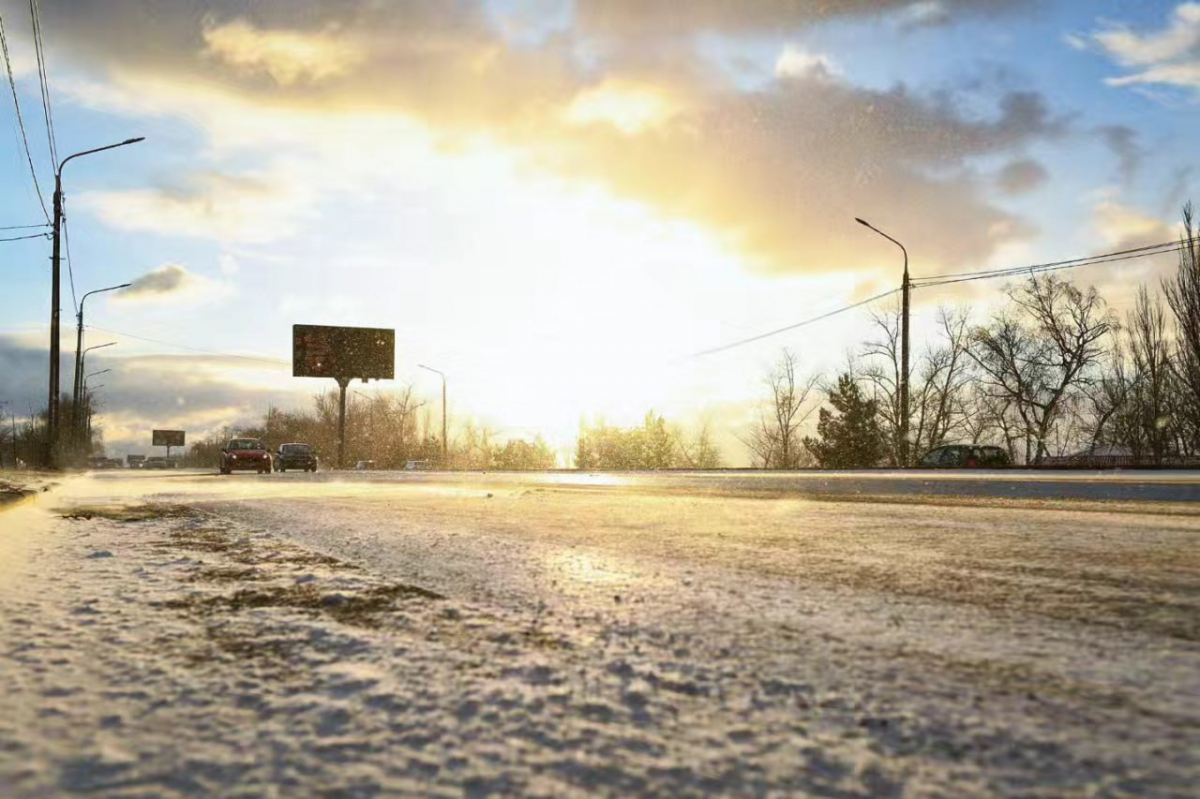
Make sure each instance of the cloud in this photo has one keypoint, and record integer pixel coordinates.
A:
(172, 282)
(774, 172)
(795, 63)
(1169, 57)
(247, 207)
(199, 393)
(1122, 140)
(287, 56)
(628, 107)
(639, 17)
(164, 280)
(1021, 176)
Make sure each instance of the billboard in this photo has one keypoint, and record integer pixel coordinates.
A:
(167, 438)
(343, 352)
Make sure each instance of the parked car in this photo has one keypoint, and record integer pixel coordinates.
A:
(965, 456)
(364, 466)
(245, 454)
(295, 456)
(417, 466)
(157, 462)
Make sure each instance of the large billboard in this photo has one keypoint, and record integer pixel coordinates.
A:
(167, 438)
(343, 352)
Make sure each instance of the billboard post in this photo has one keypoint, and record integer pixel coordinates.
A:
(343, 353)
(168, 439)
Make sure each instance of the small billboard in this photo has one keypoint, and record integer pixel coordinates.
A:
(167, 438)
(367, 353)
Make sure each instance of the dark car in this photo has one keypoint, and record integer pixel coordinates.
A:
(157, 462)
(244, 454)
(965, 456)
(295, 456)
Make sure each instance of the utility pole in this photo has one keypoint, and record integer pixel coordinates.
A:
(445, 448)
(75, 389)
(52, 420)
(52, 407)
(905, 288)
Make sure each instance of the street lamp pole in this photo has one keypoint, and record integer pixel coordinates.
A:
(76, 387)
(52, 410)
(445, 457)
(904, 306)
(87, 395)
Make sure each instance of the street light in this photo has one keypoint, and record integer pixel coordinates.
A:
(87, 394)
(445, 458)
(75, 388)
(55, 290)
(904, 292)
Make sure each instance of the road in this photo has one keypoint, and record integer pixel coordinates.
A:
(556, 634)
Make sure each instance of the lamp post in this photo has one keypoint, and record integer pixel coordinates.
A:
(75, 388)
(83, 358)
(87, 398)
(445, 457)
(904, 292)
(55, 290)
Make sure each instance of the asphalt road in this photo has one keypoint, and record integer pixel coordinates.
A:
(840, 634)
(1107, 486)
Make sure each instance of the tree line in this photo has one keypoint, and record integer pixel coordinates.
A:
(1052, 372)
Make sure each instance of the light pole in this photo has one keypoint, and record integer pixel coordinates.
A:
(87, 395)
(445, 457)
(904, 292)
(75, 388)
(83, 357)
(55, 286)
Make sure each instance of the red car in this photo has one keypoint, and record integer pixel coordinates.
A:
(245, 454)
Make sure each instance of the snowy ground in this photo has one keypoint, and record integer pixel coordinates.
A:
(278, 636)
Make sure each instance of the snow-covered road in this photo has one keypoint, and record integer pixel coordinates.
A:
(507, 636)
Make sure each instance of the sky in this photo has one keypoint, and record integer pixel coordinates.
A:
(559, 203)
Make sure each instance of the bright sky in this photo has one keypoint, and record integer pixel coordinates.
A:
(557, 202)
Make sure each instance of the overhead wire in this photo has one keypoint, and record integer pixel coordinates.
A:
(1106, 258)
(12, 85)
(30, 236)
(795, 326)
(43, 79)
(261, 359)
(24, 227)
(1135, 252)
(1163, 248)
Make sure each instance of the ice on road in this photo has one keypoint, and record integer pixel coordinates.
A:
(506, 636)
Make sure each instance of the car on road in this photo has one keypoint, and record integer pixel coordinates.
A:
(245, 454)
(365, 466)
(295, 456)
(158, 462)
(965, 456)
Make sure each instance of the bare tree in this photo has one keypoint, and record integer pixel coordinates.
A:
(936, 396)
(1041, 353)
(1183, 296)
(775, 441)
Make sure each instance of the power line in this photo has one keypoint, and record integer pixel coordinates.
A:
(1038, 269)
(1136, 252)
(809, 321)
(43, 80)
(273, 361)
(31, 236)
(12, 84)
(24, 227)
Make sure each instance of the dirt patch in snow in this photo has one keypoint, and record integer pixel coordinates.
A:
(126, 514)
